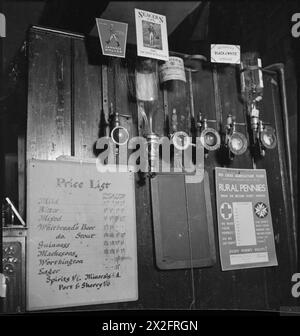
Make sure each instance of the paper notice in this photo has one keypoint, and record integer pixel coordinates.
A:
(248, 258)
(246, 237)
(244, 223)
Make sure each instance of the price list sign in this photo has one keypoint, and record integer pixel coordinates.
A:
(246, 237)
(81, 246)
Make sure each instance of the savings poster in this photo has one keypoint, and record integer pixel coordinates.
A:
(246, 237)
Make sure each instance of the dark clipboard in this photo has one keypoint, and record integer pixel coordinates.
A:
(182, 221)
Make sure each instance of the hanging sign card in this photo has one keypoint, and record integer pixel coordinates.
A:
(113, 36)
(81, 246)
(151, 34)
(225, 53)
(246, 237)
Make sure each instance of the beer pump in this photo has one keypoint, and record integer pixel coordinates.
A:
(181, 139)
(209, 137)
(173, 79)
(235, 141)
(146, 80)
(172, 75)
(262, 133)
(119, 134)
(190, 64)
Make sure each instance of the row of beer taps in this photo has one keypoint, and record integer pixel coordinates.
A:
(261, 135)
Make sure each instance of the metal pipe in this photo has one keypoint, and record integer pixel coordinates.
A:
(279, 68)
(1, 253)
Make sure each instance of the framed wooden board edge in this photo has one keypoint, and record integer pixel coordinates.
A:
(182, 264)
(210, 219)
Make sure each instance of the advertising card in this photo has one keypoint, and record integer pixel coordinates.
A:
(113, 36)
(151, 34)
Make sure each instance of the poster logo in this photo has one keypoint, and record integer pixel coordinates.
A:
(261, 210)
(2, 25)
(226, 211)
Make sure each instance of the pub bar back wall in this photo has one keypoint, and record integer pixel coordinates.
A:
(65, 104)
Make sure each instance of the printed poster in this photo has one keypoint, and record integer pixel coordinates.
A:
(151, 34)
(246, 237)
(113, 37)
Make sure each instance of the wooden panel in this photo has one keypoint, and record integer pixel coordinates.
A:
(157, 289)
(21, 175)
(181, 220)
(181, 281)
(49, 96)
(177, 97)
(216, 93)
(211, 284)
(170, 222)
(201, 222)
(150, 285)
(250, 283)
(86, 93)
(153, 284)
(275, 164)
(123, 101)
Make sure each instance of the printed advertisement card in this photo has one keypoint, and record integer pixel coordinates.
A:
(151, 34)
(113, 36)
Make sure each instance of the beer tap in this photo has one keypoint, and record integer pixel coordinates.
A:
(209, 137)
(119, 134)
(181, 139)
(267, 137)
(235, 141)
(263, 135)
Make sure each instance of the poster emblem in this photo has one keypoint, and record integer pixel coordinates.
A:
(261, 210)
(226, 211)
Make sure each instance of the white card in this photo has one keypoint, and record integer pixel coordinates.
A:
(151, 34)
(2, 285)
(225, 53)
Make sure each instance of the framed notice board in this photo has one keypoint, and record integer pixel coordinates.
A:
(81, 246)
